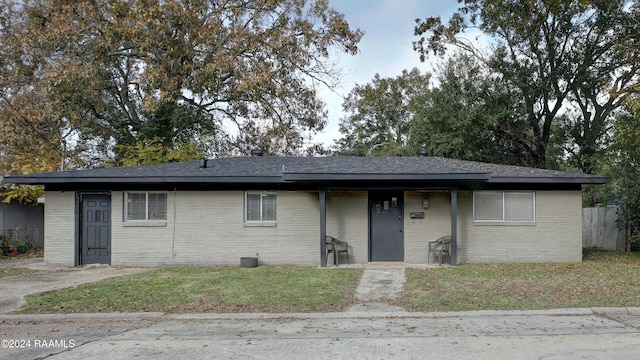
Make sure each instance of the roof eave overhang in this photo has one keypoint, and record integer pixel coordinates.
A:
(144, 180)
(550, 180)
(305, 177)
(317, 177)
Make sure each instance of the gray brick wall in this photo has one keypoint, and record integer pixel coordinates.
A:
(209, 228)
(60, 225)
(556, 235)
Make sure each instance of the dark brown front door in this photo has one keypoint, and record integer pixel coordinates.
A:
(95, 230)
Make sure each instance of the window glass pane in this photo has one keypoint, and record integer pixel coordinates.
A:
(487, 205)
(518, 206)
(136, 206)
(269, 207)
(253, 207)
(157, 206)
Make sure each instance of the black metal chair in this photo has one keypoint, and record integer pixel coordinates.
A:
(335, 247)
(440, 246)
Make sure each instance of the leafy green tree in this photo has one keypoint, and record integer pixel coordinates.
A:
(119, 70)
(155, 151)
(380, 114)
(30, 140)
(469, 115)
(552, 55)
(23, 194)
(622, 163)
(601, 88)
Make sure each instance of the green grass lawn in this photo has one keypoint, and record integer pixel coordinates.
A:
(603, 279)
(208, 289)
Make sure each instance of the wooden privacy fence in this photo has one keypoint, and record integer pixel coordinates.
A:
(20, 222)
(599, 229)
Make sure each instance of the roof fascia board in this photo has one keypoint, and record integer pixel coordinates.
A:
(377, 177)
(557, 180)
(142, 180)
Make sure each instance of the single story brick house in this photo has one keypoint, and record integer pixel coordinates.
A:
(281, 208)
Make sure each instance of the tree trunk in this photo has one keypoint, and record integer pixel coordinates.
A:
(627, 245)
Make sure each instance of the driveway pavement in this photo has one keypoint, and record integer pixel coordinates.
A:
(369, 330)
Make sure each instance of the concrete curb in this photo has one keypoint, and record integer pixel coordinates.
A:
(84, 316)
(635, 311)
(390, 314)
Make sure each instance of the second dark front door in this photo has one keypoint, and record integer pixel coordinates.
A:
(386, 238)
(96, 230)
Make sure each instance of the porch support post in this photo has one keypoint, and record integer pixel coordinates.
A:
(454, 226)
(323, 227)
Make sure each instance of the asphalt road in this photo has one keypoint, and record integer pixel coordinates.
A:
(555, 334)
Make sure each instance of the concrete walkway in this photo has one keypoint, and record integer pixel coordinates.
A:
(379, 287)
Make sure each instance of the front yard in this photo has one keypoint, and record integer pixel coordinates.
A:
(208, 289)
(604, 279)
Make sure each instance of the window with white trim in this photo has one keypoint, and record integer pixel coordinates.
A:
(507, 206)
(145, 206)
(260, 206)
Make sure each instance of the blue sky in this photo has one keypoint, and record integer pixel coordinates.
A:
(386, 47)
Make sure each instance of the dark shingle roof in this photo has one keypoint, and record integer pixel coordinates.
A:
(266, 169)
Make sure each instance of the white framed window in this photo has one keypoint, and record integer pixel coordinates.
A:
(506, 206)
(145, 206)
(260, 206)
